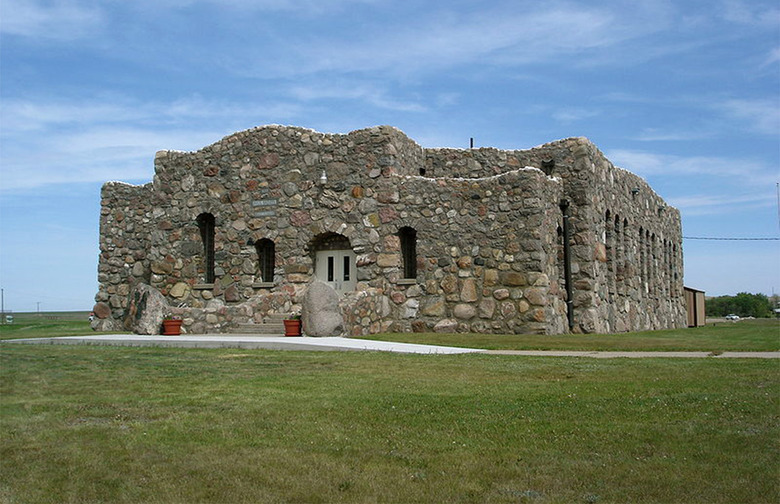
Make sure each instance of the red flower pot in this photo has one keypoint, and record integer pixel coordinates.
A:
(292, 327)
(171, 327)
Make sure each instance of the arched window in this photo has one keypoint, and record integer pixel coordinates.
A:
(266, 258)
(207, 231)
(408, 238)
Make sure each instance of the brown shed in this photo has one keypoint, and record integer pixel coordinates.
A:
(694, 301)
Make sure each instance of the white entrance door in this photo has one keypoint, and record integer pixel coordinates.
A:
(337, 269)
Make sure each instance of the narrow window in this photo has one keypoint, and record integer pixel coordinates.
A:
(675, 291)
(648, 265)
(653, 266)
(408, 238)
(669, 269)
(641, 247)
(625, 248)
(618, 256)
(207, 230)
(330, 268)
(346, 268)
(610, 246)
(266, 256)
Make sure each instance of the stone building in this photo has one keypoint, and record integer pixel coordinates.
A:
(548, 240)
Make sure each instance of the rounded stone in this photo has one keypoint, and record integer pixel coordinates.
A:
(501, 294)
(101, 310)
(180, 290)
(446, 326)
(321, 315)
(464, 311)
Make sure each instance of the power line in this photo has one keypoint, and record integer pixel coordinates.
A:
(727, 239)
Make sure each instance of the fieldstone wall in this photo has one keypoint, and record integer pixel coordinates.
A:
(489, 246)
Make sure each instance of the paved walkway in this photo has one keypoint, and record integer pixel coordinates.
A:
(247, 341)
(636, 355)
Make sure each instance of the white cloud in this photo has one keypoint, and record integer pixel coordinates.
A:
(713, 204)
(19, 115)
(371, 94)
(761, 116)
(774, 57)
(574, 114)
(503, 36)
(300, 7)
(24, 115)
(60, 20)
(95, 155)
(750, 13)
(47, 143)
(743, 172)
(670, 135)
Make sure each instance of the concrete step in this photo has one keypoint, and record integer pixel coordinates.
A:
(270, 329)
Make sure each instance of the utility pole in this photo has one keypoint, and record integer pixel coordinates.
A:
(2, 305)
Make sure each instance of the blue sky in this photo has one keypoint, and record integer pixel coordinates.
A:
(685, 94)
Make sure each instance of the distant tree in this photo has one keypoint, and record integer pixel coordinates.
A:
(743, 304)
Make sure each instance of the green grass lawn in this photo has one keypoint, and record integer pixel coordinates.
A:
(46, 325)
(108, 424)
(745, 335)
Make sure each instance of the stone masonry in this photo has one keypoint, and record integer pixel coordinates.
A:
(431, 239)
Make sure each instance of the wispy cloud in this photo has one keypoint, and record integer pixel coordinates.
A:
(364, 92)
(750, 13)
(758, 115)
(95, 155)
(714, 204)
(301, 7)
(28, 115)
(574, 114)
(59, 20)
(113, 138)
(526, 33)
(772, 58)
(739, 172)
(670, 135)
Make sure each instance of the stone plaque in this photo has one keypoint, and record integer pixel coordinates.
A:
(265, 202)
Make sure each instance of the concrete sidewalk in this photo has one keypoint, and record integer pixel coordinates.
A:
(250, 341)
(636, 355)
(247, 342)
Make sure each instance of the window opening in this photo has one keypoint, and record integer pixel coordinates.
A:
(610, 246)
(330, 268)
(408, 238)
(266, 257)
(207, 231)
(618, 256)
(625, 250)
(346, 268)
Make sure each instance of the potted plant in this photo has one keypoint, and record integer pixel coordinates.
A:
(172, 326)
(292, 325)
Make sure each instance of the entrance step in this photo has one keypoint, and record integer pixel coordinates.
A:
(272, 325)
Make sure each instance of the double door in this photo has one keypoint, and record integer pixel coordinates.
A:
(337, 269)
